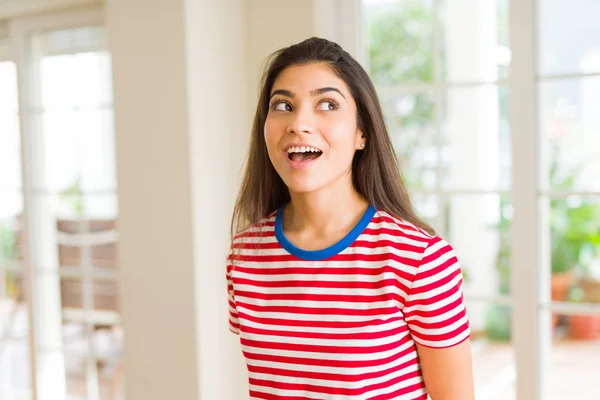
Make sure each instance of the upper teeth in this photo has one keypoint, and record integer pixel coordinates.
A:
(302, 149)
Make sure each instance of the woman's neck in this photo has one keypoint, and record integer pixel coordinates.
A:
(328, 210)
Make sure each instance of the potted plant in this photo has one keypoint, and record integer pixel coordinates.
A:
(582, 327)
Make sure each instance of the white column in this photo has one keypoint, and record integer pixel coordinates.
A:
(181, 116)
(527, 277)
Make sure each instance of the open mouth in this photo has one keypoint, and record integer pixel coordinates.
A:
(303, 153)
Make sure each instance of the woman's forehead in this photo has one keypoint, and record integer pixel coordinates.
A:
(303, 79)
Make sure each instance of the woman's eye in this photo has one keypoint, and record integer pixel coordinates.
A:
(282, 106)
(327, 106)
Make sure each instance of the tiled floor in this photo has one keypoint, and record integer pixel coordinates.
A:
(573, 373)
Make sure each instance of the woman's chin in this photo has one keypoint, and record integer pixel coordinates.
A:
(304, 186)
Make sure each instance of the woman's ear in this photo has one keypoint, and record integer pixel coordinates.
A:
(360, 140)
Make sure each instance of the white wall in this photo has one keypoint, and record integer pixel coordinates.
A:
(271, 26)
(157, 257)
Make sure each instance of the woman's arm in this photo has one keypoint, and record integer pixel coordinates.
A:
(448, 372)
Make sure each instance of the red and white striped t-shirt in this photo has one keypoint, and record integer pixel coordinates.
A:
(341, 323)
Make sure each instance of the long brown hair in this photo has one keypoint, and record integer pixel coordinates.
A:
(375, 171)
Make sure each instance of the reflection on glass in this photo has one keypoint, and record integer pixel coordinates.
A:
(400, 41)
(573, 44)
(570, 127)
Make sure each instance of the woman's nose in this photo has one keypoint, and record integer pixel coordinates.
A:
(302, 122)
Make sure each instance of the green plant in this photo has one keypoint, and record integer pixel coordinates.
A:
(574, 228)
(574, 225)
(7, 242)
(74, 196)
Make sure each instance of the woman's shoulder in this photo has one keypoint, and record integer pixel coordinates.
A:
(262, 227)
(398, 227)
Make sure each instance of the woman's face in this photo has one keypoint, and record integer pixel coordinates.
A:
(310, 130)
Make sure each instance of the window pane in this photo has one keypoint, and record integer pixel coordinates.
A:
(78, 148)
(492, 352)
(400, 41)
(409, 118)
(570, 126)
(568, 36)
(486, 266)
(11, 200)
(87, 243)
(73, 208)
(486, 273)
(474, 40)
(475, 139)
(107, 344)
(574, 366)
(574, 228)
(11, 242)
(427, 207)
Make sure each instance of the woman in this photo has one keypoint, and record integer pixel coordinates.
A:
(337, 289)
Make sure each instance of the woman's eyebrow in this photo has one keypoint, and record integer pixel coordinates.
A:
(315, 92)
(319, 91)
(282, 92)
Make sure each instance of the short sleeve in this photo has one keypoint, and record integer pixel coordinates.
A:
(234, 323)
(435, 308)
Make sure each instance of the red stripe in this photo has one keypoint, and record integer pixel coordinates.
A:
(267, 396)
(394, 232)
(337, 336)
(339, 391)
(329, 362)
(327, 376)
(348, 271)
(442, 336)
(347, 298)
(317, 284)
(434, 312)
(439, 325)
(316, 324)
(396, 222)
(383, 312)
(322, 349)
